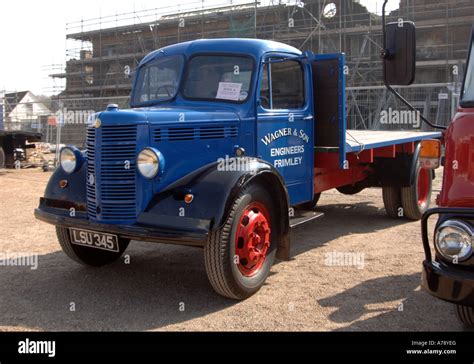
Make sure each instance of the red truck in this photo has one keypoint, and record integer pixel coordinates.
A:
(449, 274)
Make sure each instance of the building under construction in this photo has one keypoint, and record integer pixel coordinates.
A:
(103, 52)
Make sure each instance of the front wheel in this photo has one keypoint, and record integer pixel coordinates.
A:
(239, 255)
(416, 198)
(88, 256)
(466, 315)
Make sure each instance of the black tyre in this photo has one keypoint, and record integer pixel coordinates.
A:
(351, 189)
(416, 198)
(88, 256)
(2, 158)
(392, 201)
(310, 205)
(238, 256)
(465, 314)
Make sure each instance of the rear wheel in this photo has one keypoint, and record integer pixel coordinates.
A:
(88, 256)
(465, 314)
(416, 198)
(239, 255)
(392, 201)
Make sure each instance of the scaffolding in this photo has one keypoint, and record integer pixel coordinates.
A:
(103, 51)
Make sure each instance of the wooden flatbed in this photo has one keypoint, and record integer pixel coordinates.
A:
(335, 168)
(359, 140)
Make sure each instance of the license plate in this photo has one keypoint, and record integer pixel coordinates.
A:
(94, 239)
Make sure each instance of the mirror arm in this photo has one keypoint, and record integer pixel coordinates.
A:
(386, 54)
(410, 106)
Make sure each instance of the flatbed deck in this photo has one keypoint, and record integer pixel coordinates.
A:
(358, 140)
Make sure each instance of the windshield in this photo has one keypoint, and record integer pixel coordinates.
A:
(158, 80)
(218, 78)
(467, 96)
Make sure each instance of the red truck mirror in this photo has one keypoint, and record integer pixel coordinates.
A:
(399, 55)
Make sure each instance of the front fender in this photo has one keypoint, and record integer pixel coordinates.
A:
(214, 192)
(75, 191)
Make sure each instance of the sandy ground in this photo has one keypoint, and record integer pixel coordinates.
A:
(166, 288)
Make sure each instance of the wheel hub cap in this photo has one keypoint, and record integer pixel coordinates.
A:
(252, 238)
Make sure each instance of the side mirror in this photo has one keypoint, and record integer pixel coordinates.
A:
(399, 55)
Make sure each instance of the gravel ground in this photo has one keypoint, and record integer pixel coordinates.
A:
(166, 288)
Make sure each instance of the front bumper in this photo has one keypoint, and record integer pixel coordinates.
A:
(450, 283)
(149, 227)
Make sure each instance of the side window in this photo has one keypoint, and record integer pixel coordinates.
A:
(287, 86)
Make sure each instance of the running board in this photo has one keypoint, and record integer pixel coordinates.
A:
(302, 217)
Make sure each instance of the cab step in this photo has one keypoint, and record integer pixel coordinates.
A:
(303, 216)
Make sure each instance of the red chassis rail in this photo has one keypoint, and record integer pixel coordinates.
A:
(328, 174)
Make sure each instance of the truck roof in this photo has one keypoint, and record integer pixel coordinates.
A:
(250, 46)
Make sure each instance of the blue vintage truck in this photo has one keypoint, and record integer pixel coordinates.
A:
(228, 144)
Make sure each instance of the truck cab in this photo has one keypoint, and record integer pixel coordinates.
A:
(449, 274)
(226, 145)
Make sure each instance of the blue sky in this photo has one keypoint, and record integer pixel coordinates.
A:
(32, 33)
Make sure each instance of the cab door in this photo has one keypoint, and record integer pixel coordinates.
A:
(285, 122)
(329, 102)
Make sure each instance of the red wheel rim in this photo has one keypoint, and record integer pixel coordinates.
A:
(423, 189)
(252, 238)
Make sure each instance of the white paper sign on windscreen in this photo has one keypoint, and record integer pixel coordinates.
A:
(229, 91)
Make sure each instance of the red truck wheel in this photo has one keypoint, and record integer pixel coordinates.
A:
(239, 255)
(85, 255)
(416, 198)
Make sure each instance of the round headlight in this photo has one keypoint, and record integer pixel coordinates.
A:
(453, 240)
(148, 162)
(68, 160)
